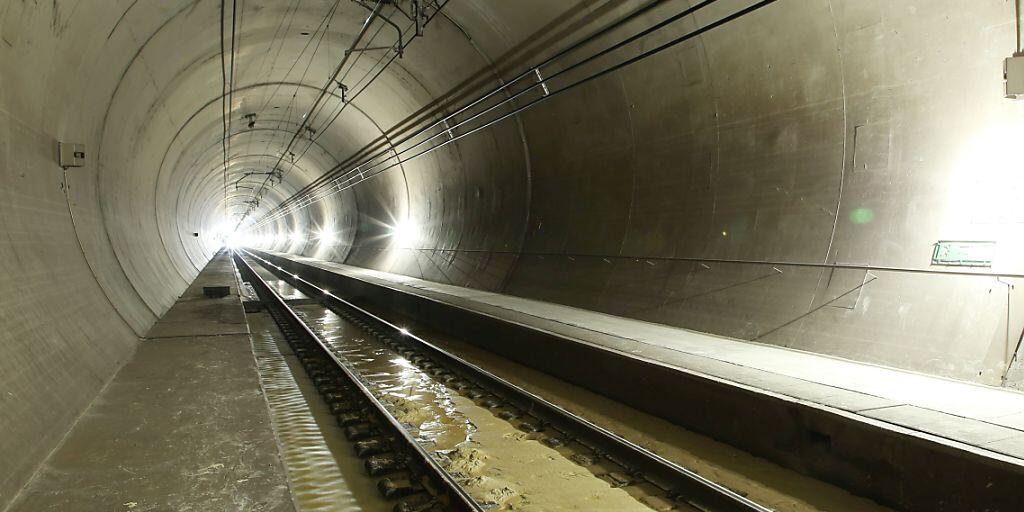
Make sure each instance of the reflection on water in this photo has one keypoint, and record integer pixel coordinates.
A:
(317, 482)
(411, 395)
(282, 287)
(501, 467)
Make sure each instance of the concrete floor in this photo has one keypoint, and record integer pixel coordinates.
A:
(183, 426)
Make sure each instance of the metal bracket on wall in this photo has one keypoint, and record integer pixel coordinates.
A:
(1008, 356)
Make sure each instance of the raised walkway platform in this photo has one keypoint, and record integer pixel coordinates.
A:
(183, 426)
(908, 440)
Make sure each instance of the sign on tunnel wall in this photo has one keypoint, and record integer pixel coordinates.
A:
(963, 253)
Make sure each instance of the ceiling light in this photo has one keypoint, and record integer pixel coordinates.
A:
(325, 236)
(405, 235)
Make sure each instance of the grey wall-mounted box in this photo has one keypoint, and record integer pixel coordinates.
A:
(1013, 74)
(71, 155)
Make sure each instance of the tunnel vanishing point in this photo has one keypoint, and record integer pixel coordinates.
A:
(426, 255)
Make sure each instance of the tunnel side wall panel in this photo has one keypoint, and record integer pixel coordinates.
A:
(70, 318)
(819, 132)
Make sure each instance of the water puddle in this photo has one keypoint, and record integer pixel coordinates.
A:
(500, 466)
(321, 471)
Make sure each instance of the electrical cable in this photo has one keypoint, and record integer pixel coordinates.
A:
(338, 187)
(223, 112)
(231, 89)
(323, 92)
(394, 55)
(528, 72)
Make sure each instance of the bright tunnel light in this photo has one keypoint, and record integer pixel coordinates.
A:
(326, 236)
(405, 234)
(235, 240)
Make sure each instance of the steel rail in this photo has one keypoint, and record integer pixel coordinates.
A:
(681, 483)
(459, 500)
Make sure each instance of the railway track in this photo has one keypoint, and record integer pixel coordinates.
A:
(415, 477)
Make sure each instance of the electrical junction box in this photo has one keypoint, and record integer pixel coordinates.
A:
(71, 155)
(1013, 74)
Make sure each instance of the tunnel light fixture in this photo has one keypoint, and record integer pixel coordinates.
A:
(236, 240)
(326, 236)
(405, 234)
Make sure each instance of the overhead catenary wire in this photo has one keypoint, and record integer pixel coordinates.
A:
(323, 92)
(320, 36)
(393, 53)
(375, 71)
(535, 69)
(313, 114)
(310, 117)
(501, 88)
(267, 98)
(224, 113)
(289, 16)
(356, 179)
(317, 35)
(231, 87)
(362, 176)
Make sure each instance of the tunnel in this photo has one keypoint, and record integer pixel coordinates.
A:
(762, 252)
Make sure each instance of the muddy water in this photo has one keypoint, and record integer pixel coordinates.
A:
(499, 465)
(760, 480)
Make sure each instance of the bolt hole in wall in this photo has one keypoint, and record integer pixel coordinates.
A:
(805, 198)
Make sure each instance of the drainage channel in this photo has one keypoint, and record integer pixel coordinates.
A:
(436, 421)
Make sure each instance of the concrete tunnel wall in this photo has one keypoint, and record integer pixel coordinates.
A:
(813, 131)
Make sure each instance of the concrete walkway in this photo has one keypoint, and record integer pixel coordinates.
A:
(183, 426)
(985, 420)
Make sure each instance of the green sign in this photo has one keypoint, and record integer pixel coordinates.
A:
(963, 253)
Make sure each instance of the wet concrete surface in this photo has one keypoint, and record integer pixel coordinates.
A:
(324, 473)
(183, 426)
